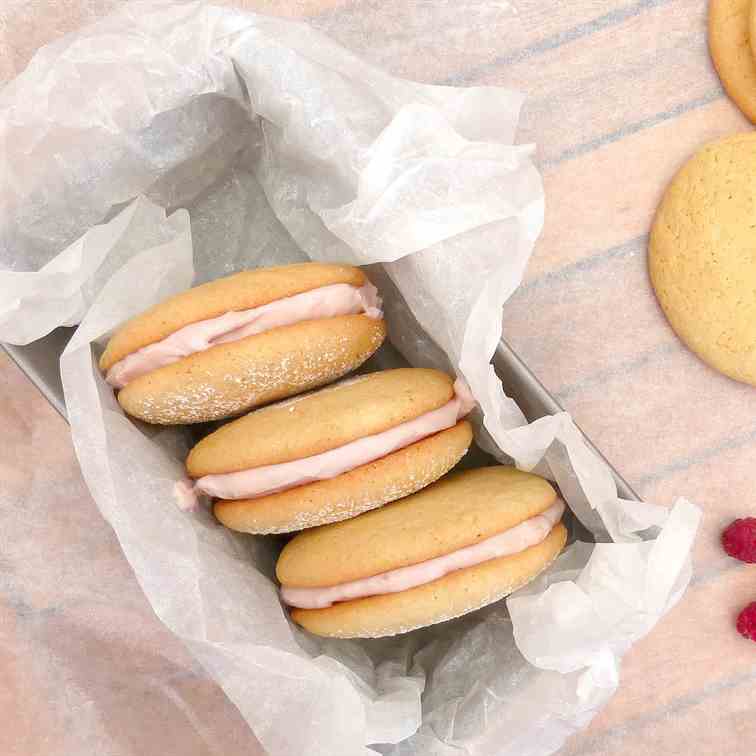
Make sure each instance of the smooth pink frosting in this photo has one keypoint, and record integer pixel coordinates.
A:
(259, 481)
(528, 533)
(324, 302)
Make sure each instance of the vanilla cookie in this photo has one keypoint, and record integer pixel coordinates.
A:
(239, 342)
(701, 255)
(461, 543)
(334, 453)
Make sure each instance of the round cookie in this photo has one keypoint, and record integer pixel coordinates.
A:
(730, 48)
(462, 510)
(702, 258)
(330, 421)
(209, 375)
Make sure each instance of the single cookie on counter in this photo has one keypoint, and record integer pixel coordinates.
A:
(730, 48)
(252, 338)
(460, 544)
(334, 453)
(702, 255)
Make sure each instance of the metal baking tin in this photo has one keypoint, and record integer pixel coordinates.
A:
(40, 361)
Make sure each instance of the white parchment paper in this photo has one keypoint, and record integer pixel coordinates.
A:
(278, 145)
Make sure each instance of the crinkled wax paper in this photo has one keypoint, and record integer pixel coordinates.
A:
(280, 146)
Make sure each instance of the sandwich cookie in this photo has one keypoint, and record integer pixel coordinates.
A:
(222, 348)
(334, 453)
(463, 542)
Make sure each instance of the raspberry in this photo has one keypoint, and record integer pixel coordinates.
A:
(747, 622)
(739, 539)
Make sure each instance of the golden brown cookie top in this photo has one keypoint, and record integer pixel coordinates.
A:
(329, 418)
(702, 255)
(460, 510)
(241, 291)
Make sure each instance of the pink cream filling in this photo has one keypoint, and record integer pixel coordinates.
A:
(259, 481)
(528, 533)
(324, 302)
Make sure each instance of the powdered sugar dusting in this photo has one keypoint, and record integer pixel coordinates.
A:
(293, 400)
(211, 395)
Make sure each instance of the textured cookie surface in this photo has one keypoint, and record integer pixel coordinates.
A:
(228, 379)
(729, 33)
(702, 255)
(241, 291)
(326, 419)
(450, 596)
(463, 509)
(366, 487)
(752, 29)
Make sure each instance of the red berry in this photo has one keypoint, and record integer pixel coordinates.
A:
(739, 539)
(747, 622)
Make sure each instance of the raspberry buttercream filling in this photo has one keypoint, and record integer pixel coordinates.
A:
(323, 302)
(528, 533)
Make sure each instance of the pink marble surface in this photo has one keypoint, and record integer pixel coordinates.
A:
(620, 94)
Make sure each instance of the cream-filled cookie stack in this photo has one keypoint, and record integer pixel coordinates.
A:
(334, 453)
(458, 545)
(387, 543)
(227, 346)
